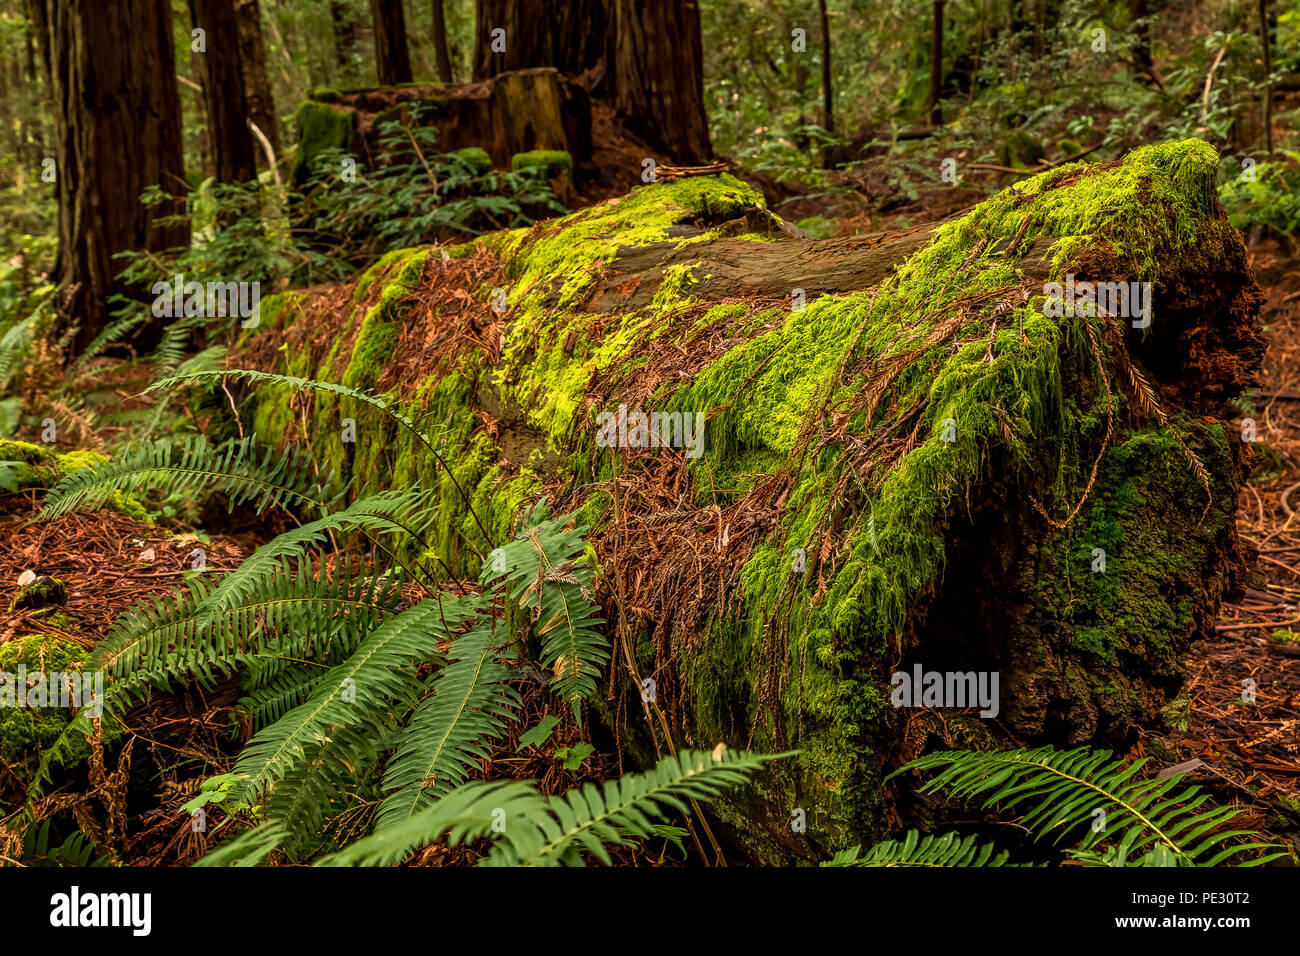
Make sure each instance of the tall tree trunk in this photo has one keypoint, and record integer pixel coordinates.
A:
(1268, 73)
(257, 84)
(936, 64)
(345, 36)
(233, 157)
(658, 76)
(828, 106)
(110, 74)
(392, 56)
(569, 35)
(440, 52)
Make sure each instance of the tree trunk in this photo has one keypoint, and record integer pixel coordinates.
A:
(828, 107)
(658, 76)
(392, 56)
(257, 84)
(1265, 43)
(345, 35)
(110, 76)
(936, 64)
(905, 458)
(233, 157)
(443, 57)
(569, 35)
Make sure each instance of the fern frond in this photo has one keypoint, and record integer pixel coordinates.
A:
(403, 513)
(1066, 792)
(250, 848)
(587, 818)
(445, 738)
(948, 849)
(378, 676)
(364, 397)
(284, 481)
(470, 812)
(545, 574)
(532, 830)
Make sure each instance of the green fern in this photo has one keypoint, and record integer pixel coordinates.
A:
(364, 397)
(289, 480)
(1116, 817)
(445, 738)
(529, 829)
(378, 676)
(548, 578)
(949, 849)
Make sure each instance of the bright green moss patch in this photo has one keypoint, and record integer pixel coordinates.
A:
(41, 663)
(552, 162)
(321, 126)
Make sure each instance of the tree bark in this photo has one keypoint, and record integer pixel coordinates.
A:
(110, 77)
(257, 83)
(440, 52)
(1268, 72)
(392, 56)
(569, 35)
(936, 64)
(828, 105)
(233, 157)
(658, 76)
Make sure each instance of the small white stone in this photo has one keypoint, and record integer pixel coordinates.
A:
(26, 578)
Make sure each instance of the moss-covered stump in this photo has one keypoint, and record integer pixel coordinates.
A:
(915, 452)
(516, 112)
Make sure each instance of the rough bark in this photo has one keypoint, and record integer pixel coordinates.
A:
(1071, 435)
(234, 159)
(657, 75)
(439, 29)
(392, 55)
(569, 35)
(257, 83)
(936, 63)
(110, 77)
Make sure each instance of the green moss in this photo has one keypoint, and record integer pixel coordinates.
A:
(553, 162)
(321, 126)
(39, 466)
(43, 592)
(24, 730)
(476, 158)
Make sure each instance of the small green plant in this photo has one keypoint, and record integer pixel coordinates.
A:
(1104, 812)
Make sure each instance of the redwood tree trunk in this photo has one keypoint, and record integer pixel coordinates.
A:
(110, 73)
(233, 156)
(569, 35)
(392, 57)
(440, 52)
(936, 64)
(658, 76)
(257, 84)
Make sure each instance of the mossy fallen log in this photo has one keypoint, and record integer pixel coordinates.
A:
(921, 451)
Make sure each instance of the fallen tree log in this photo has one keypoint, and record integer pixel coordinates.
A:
(937, 460)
